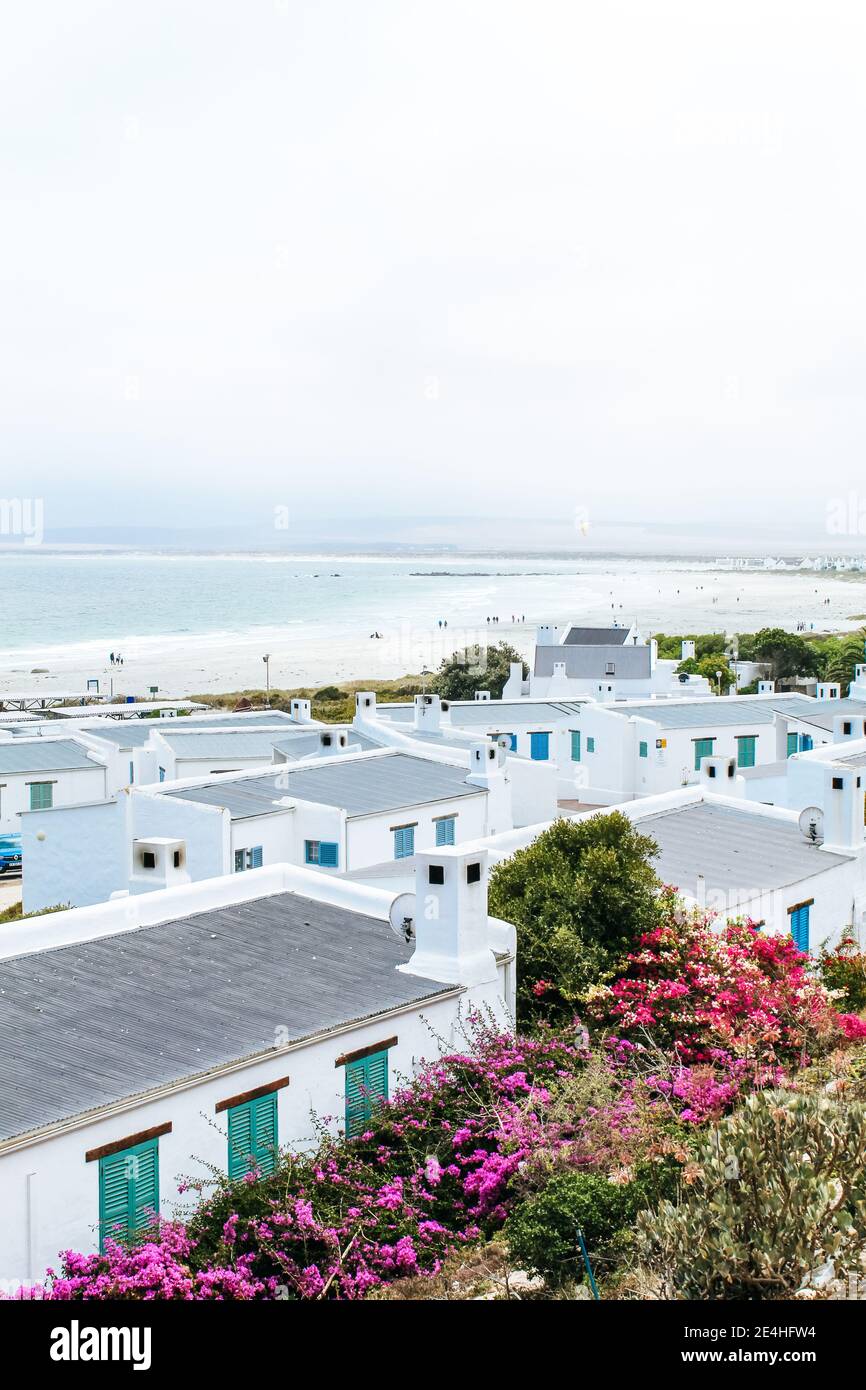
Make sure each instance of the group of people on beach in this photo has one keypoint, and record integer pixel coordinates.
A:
(115, 658)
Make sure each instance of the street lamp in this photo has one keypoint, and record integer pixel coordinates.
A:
(267, 659)
(719, 679)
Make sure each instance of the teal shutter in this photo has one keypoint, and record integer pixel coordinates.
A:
(800, 927)
(746, 750)
(366, 1087)
(806, 744)
(41, 796)
(590, 744)
(703, 749)
(162, 774)
(539, 747)
(128, 1191)
(445, 831)
(253, 1136)
(404, 842)
(329, 854)
(643, 750)
(575, 745)
(793, 744)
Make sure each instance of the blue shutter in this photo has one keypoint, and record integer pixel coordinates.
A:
(806, 743)
(539, 747)
(128, 1191)
(404, 842)
(445, 831)
(329, 854)
(366, 1087)
(256, 857)
(575, 745)
(162, 774)
(253, 1136)
(800, 927)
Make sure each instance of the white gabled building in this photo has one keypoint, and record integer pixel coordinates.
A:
(334, 813)
(163, 1020)
(604, 663)
(38, 773)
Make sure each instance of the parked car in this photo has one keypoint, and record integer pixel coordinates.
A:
(10, 854)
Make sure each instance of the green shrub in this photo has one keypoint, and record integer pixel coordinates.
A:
(844, 968)
(330, 692)
(778, 1189)
(542, 1231)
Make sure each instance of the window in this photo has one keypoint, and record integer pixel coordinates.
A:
(128, 1191)
(590, 745)
(253, 1136)
(366, 1087)
(746, 750)
(609, 668)
(404, 842)
(131, 773)
(325, 853)
(575, 745)
(41, 796)
(511, 737)
(445, 831)
(703, 749)
(539, 747)
(162, 774)
(248, 859)
(800, 925)
(806, 743)
(643, 750)
(793, 744)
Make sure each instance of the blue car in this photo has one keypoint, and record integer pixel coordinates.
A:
(10, 854)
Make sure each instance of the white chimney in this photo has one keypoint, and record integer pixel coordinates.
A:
(547, 635)
(515, 687)
(482, 695)
(365, 705)
(687, 649)
(333, 741)
(766, 687)
(847, 727)
(301, 711)
(719, 775)
(828, 690)
(428, 713)
(843, 808)
(487, 770)
(158, 863)
(451, 924)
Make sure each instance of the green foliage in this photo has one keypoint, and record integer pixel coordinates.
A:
(475, 668)
(708, 666)
(706, 644)
(785, 652)
(330, 692)
(578, 896)
(542, 1232)
(777, 1190)
(839, 655)
(13, 913)
(844, 968)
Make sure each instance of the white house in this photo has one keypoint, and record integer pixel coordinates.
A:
(206, 1024)
(38, 773)
(336, 814)
(605, 663)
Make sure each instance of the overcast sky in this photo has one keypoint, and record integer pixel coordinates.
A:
(361, 258)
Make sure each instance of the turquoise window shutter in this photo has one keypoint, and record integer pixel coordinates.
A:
(253, 1136)
(128, 1191)
(404, 842)
(806, 743)
(590, 744)
(793, 744)
(800, 927)
(329, 854)
(445, 831)
(644, 750)
(366, 1087)
(256, 857)
(746, 750)
(539, 747)
(41, 796)
(703, 749)
(575, 745)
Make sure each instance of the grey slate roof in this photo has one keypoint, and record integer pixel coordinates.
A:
(821, 713)
(502, 714)
(133, 733)
(44, 755)
(734, 849)
(216, 743)
(710, 710)
(86, 1025)
(595, 636)
(361, 786)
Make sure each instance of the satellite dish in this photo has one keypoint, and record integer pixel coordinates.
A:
(811, 823)
(402, 917)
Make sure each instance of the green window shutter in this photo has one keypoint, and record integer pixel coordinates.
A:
(253, 1136)
(575, 745)
(644, 750)
(128, 1191)
(746, 750)
(366, 1087)
(329, 854)
(41, 796)
(793, 744)
(590, 744)
(703, 749)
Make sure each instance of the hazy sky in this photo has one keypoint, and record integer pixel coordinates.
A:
(360, 258)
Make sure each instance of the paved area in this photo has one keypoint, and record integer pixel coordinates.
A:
(10, 891)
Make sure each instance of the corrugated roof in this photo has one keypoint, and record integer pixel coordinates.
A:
(710, 710)
(361, 786)
(87, 1025)
(821, 713)
(133, 733)
(595, 636)
(735, 850)
(590, 662)
(502, 714)
(44, 755)
(214, 743)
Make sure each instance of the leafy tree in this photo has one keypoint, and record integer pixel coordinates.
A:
(475, 668)
(578, 896)
(708, 666)
(542, 1231)
(785, 652)
(839, 656)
